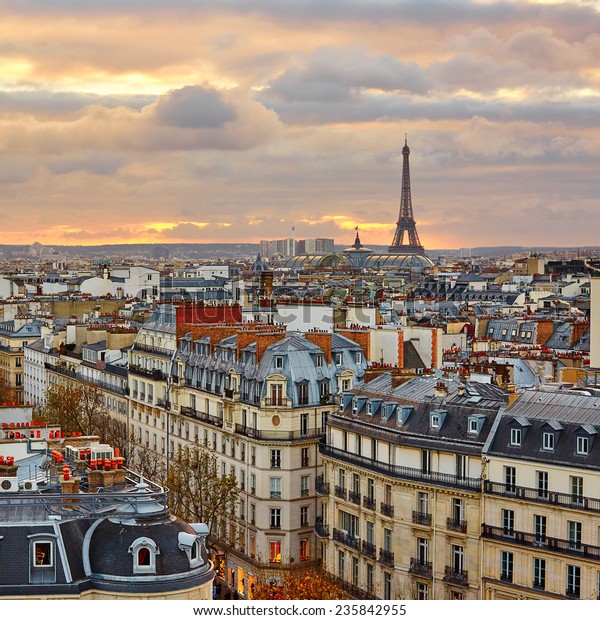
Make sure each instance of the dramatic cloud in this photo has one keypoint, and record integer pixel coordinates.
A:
(191, 120)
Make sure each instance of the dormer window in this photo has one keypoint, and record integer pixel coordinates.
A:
(338, 359)
(190, 543)
(278, 361)
(358, 357)
(473, 426)
(583, 444)
(369, 409)
(516, 435)
(144, 551)
(354, 406)
(43, 555)
(548, 441)
(434, 420)
(319, 361)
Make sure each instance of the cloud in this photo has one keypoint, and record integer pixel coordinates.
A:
(333, 75)
(194, 107)
(103, 164)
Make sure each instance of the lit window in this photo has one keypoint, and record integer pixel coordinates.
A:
(275, 551)
(144, 551)
(42, 554)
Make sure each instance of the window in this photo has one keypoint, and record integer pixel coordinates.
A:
(304, 549)
(573, 580)
(342, 478)
(582, 445)
(462, 465)
(548, 441)
(278, 361)
(422, 592)
(435, 420)
(473, 426)
(304, 484)
(422, 550)
(458, 558)
(275, 459)
(426, 461)
(252, 455)
(387, 586)
(275, 551)
(42, 554)
(574, 532)
(510, 479)
(304, 459)
(542, 483)
(370, 533)
(369, 577)
(458, 510)
(338, 359)
(275, 488)
(539, 573)
(515, 436)
(304, 424)
(275, 518)
(358, 358)
(370, 489)
(387, 539)
(539, 525)
(341, 564)
(303, 516)
(253, 484)
(355, 572)
(319, 361)
(303, 393)
(423, 502)
(144, 551)
(576, 489)
(506, 566)
(508, 522)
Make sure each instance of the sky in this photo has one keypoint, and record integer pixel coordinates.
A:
(169, 121)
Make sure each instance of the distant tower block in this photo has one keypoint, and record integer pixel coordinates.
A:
(406, 225)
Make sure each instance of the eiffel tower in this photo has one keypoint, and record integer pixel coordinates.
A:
(406, 222)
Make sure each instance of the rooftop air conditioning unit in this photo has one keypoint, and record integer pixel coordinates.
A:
(9, 485)
(30, 485)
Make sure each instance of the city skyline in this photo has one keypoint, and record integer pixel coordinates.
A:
(189, 122)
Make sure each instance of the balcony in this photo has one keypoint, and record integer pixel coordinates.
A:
(346, 539)
(354, 591)
(280, 402)
(557, 545)
(321, 529)
(457, 576)
(269, 435)
(164, 403)
(275, 495)
(387, 510)
(386, 558)
(354, 497)
(368, 549)
(422, 518)
(154, 373)
(369, 503)
(340, 492)
(420, 567)
(148, 348)
(231, 395)
(456, 525)
(544, 496)
(399, 471)
(321, 486)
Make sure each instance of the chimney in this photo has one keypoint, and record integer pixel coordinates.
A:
(461, 389)
(323, 340)
(441, 389)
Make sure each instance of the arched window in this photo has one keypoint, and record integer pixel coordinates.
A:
(144, 551)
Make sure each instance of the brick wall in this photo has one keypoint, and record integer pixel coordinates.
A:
(322, 340)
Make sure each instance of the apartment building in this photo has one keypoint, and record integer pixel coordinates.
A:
(541, 514)
(401, 492)
(259, 398)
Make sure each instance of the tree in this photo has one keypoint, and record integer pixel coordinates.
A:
(79, 408)
(197, 491)
(310, 585)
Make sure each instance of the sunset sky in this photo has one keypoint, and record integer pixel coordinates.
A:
(166, 121)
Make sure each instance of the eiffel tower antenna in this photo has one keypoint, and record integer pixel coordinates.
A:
(406, 224)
